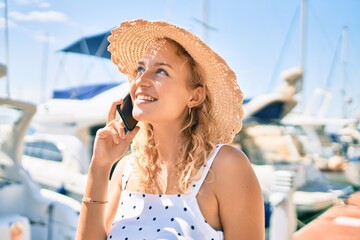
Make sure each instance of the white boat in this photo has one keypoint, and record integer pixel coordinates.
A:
(64, 127)
(65, 159)
(63, 132)
(26, 211)
(71, 115)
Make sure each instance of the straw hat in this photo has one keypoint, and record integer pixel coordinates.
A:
(130, 41)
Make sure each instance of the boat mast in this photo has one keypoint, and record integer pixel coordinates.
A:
(346, 100)
(44, 67)
(303, 43)
(7, 49)
(205, 20)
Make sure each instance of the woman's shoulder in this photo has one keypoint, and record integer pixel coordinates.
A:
(238, 193)
(232, 166)
(230, 156)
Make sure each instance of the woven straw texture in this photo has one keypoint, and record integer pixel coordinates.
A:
(130, 41)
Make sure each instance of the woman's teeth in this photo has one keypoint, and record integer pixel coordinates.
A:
(146, 98)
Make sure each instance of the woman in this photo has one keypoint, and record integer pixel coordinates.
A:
(181, 180)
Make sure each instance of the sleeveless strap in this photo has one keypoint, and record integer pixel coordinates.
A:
(126, 173)
(204, 170)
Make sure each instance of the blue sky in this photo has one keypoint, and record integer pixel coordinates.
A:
(258, 39)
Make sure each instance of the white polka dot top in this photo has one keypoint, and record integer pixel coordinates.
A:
(143, 216)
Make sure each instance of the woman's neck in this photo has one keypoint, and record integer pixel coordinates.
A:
(168, 141)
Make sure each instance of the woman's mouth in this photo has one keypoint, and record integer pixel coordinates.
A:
(146, 98)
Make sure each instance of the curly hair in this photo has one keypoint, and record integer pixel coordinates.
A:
(197, 131)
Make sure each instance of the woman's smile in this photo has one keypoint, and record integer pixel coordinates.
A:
(144, 99)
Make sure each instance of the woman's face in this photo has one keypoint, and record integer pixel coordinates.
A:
(160, 91)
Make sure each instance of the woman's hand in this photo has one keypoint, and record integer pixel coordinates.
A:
(111, 143)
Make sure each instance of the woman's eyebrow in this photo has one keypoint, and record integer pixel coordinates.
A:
(157, 64)
(163, 64)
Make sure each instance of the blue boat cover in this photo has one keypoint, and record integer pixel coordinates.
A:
(93, 45)
(83, 92)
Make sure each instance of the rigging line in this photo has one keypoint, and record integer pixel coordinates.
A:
(102, 47)
(107, 69)
(60, 69)
(332, 65)
(283, 49)
(321, 28)
(84, 47)
(90, 67)
(87, 71)
(99, 52)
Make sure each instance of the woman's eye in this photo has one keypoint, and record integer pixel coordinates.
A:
(162, 71)
(140, 70)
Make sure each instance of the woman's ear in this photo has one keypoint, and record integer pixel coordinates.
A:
(198, 96)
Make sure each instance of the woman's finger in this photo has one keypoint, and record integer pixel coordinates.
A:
(114, 134)
(103, 133)
(112, 112)
(110, 131)
(119, 127)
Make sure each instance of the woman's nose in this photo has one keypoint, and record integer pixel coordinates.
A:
(144, 79)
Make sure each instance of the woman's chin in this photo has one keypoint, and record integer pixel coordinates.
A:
(139, 116)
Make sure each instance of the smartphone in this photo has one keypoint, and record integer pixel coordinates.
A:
(125, 112)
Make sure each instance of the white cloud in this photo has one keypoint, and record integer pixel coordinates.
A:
(27, 2)
(2, 5)
(44, 5)
(40, 3)
(10, 23)
(38, 16)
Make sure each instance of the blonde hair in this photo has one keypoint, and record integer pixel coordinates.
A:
(197, 131)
